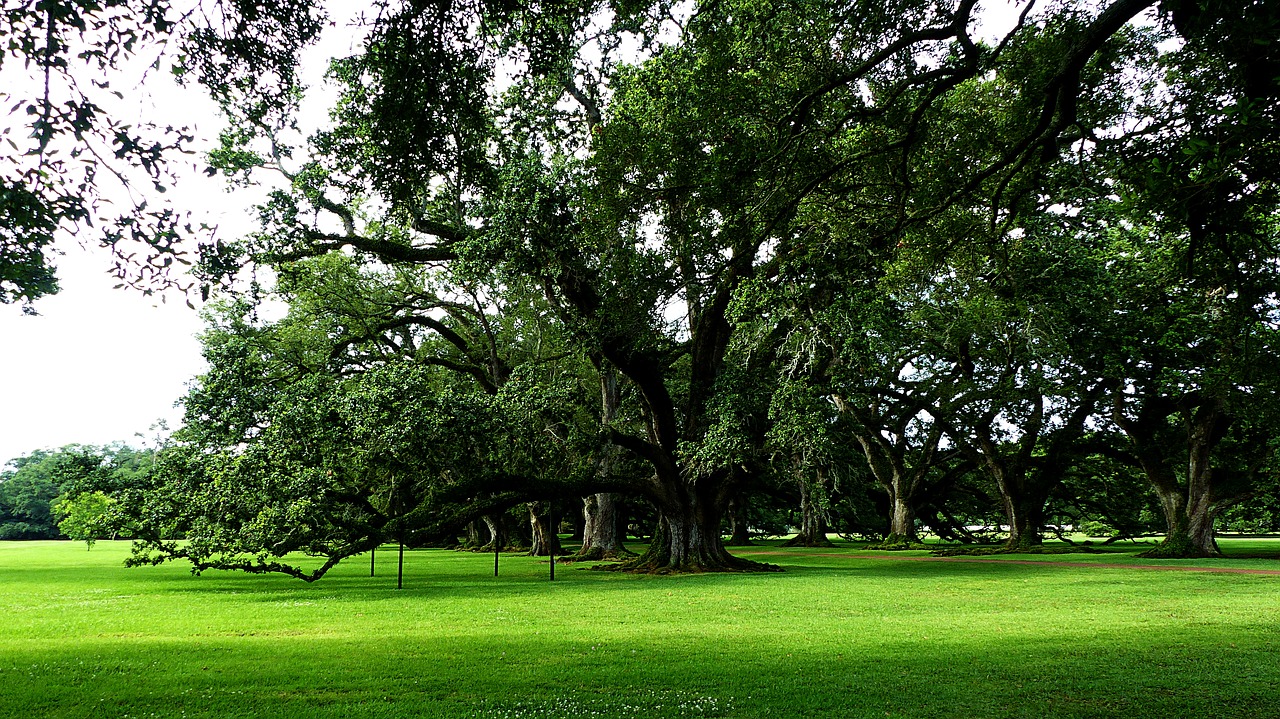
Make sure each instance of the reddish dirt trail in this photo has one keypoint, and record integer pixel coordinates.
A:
(979, 560)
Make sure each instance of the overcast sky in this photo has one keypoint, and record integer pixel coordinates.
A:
(99, 364)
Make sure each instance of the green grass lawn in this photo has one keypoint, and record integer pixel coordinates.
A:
(842, 633)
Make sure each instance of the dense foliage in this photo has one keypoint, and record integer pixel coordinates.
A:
(869, 258)
(49, 494)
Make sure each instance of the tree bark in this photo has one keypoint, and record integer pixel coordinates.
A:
(1024, 510)
(687, 536)
(739, 531)
(1189, 508)
(545, 540)
(1188, 534)
(1188, 518)
(475, 539)
(601, 539)
(1190, 511)
(499, 536)
(902, 521)
(897, 465)
(813, 527)
(1026, 476)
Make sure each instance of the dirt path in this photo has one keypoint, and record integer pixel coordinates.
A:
(980, 560)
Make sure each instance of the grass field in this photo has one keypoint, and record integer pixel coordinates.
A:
(842, 633)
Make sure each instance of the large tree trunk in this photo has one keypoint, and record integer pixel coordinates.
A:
(887, 460)
(688, 541)
(1188, 534)
(623, 512)
(739, 531)
(902, 519)
(601, 539)
(813, 527)
(545, 541)
(1026, 478)
(1024, 511)
(687, 535)
(1190, 511)
(1188, 520)
(475, 538)
(1189, 507)
(600, 536)
(690, 504)
(499, 535)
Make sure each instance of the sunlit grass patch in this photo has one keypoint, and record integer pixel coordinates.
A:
(640, 704)
(840, 633)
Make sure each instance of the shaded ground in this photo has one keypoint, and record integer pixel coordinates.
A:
(837, 635)
(1034, 562)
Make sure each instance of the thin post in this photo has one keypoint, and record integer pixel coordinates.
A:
(400, 570)
(553, 566)
(495, 556)
(372, 552)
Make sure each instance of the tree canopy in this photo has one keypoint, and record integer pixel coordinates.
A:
(782, 229)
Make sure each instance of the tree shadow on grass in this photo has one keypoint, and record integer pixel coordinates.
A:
(442, 575)
(1220, 672)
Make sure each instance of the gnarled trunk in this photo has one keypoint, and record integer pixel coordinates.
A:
(888, 465)
(739, 532)
(902, 520)
(1188, 524)
(687, 541)
(687, 535)
(813, 526)
(1027, 477)
(1188, 534)
(499, 535)
(1190, 512)
(474, 537)
(1189, 507)
(600, 536)
(1024, 511)
(545, 541)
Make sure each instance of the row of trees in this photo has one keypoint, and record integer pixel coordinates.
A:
(684, 252)
(69, 492)
(75, 492)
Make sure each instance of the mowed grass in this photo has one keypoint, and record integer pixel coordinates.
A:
(841, 633)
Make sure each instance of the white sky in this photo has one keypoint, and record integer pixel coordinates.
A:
(97, 364)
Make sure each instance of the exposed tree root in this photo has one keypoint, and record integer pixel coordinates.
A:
(655, 561)
(737, 564)
(801, 540)
(597, 554)
(887, 546)
(1004, 549)
(1179, 546)
(898, 543)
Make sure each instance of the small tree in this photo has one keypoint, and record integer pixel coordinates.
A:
(86, 517)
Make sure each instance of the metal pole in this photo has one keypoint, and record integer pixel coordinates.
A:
(553, 566)
(400, 571)
(495, 556)
(371, 565)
